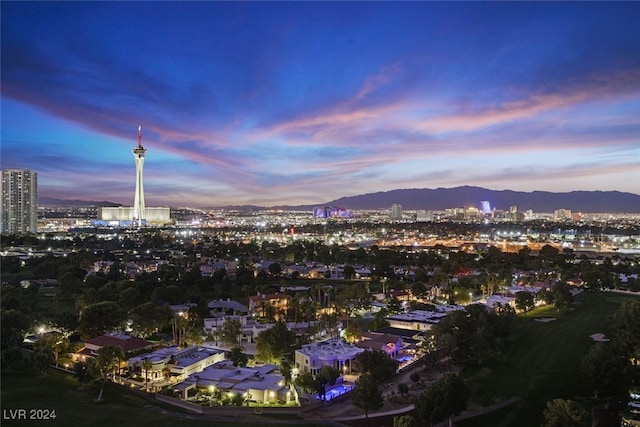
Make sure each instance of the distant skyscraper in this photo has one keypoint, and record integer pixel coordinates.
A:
(486, 207)
(139, 213)
(562, 214)
(396, 212)
(19, 207)
(422, 215)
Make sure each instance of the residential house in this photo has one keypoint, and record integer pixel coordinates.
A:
(257, 303)
(127, 343)
(335, 353)
(260, 384)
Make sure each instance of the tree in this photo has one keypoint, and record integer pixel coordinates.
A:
(13, 326)
(99, 318)
(565, 413)
(147, 364)
(352, 333)
(404, 421)
(66, 321)
(445, 398)
(55, 343)
(42, 360)
(600, 368)
(626, 329)
(378, 321)
(272, 344)
(230, 332)
(418, 290)
(562, 296)
(378, 364)
(83, 372)
(268, 311)
(305, 381)
(148, 318)
(179, 326)
(238, 357)
(524, 301)
(403, 388)
(108, 362)
(285, 370)
(354, 297)
(349, 272)
(326, 376)
(393, 306)
(366, 395)
(275, 269)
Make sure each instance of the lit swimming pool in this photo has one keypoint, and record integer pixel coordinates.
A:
(336, 391)
(402, 359)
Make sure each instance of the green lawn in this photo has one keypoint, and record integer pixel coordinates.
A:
(60, 392)
(542, 363)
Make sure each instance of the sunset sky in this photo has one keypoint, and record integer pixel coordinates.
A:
(274, 103)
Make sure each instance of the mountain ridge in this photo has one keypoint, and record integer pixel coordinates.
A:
(596, 201)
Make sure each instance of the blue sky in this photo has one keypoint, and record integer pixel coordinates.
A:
(274, 103)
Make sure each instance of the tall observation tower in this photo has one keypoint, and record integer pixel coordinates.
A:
(138, 201)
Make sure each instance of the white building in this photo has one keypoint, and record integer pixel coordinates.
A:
(416, 320)
(250, 328)
(19, 204)
(336, 353)
(118, 214)
(259, 384)
(178, 362)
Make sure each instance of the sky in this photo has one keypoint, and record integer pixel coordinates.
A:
(291, 103)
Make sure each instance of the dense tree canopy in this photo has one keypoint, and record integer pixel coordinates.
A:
(366, 395)
(273, 343)
(100, 318)
(565, 413)
(378, 364)
(445, 398)
(474, 334)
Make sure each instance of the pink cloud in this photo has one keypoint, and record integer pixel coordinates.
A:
(587, 89)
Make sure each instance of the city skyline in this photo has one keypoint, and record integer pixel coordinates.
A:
(300, 103)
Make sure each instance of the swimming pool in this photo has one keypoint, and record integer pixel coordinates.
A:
(336, 391)
(404, 358)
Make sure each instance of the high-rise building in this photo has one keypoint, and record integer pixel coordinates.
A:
(562, 214)
(19, 207)
(139, 214)
(396, 212)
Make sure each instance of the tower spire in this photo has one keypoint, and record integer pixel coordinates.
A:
(139, 214)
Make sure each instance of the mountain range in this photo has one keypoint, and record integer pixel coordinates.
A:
(468, 196)
(445, 198)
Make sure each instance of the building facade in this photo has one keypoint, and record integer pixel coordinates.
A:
(336, 354)
(395, 213)
(19, 207)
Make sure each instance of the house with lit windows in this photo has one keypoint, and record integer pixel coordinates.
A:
(176, 362)
(335, 353)
(257, 303)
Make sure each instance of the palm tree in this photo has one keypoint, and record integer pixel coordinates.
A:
(108, 361)
(146, 365)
